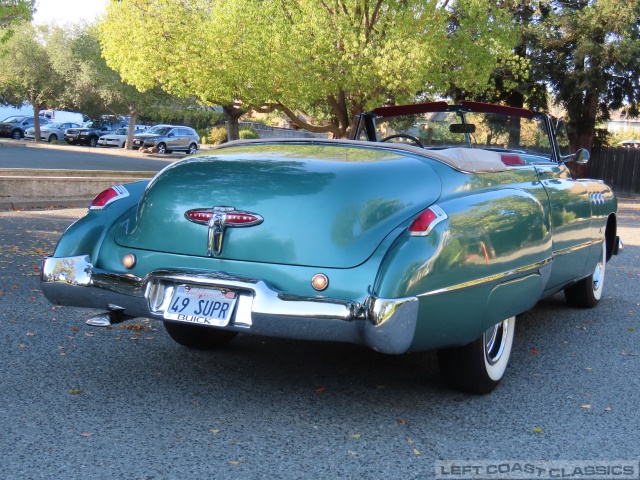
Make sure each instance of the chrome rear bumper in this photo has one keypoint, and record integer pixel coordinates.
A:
(385, 325)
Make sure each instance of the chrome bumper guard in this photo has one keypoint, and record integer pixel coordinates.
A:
(385, 325)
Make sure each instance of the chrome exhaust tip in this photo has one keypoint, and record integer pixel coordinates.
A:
(101, 320)
(106, 319)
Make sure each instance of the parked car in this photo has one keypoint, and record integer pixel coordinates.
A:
(169, 138)
(89, 134)
(629, 143)
(50, 132)
(15, 125)
(433, 230)
(117, 138)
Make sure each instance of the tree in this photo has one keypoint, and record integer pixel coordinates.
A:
(26, 73)
(93, 87)
(588, 52)
(516, 80)
(331, 59)
(12, 13)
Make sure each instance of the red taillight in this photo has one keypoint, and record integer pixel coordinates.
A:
(239, 218)
(231, 217)
(108, 196)
(199, 216)
(429, 218)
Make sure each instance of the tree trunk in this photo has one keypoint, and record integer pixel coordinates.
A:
(233, 113)
(36, 121)
(133, 114)
(582, 128)
(514, 99)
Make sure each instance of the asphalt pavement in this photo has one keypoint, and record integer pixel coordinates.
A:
(80, 402)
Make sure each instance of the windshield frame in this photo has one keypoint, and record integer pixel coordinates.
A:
(368, 125)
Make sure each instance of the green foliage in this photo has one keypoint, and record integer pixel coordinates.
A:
(329, 59)
(588, 52)
(624, 134)
(216, 136)
(26, 70)
(248, 134)
(12, 14)
(195, 117)
(605, 138)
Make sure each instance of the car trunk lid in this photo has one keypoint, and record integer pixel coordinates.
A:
(321, 205)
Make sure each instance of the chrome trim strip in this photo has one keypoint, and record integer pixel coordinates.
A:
(564, 251)
(491, 278)
(386, 325)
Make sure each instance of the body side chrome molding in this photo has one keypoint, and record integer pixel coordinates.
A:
(575, 248)
(493, 278)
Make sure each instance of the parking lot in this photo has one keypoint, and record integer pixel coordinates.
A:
(127, 402)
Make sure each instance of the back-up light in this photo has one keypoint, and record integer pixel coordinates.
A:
(108, 196)
(424, 223)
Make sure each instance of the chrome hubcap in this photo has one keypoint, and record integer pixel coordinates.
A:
(597, 277)
(598, 273)
(495, 339)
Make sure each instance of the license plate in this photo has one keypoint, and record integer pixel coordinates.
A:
(137, 142)
(204, 306)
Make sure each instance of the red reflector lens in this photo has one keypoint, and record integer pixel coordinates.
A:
(103, 197)
(422, 221)
(108, 196)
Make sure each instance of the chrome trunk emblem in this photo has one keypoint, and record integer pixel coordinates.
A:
(219, 218)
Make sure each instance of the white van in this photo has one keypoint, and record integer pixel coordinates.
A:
(62, 116)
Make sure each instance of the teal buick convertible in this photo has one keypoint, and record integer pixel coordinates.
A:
(433, 228)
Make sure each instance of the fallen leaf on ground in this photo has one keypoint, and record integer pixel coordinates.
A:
(537, 430)
(629, 354)
(587, 406)
(356, 435)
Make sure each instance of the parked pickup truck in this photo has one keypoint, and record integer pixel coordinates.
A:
(89, 134)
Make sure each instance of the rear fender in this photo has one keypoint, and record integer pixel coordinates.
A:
(85, 236)
(487, 239)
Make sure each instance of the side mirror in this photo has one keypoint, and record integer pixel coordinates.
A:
(171, 135)
(581, 157)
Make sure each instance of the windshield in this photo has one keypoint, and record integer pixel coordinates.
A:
(159, 130)
(120, 131)
(13, 119)
(461, 128)
(54, 125)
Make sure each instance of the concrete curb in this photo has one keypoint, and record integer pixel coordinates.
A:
(22, 188)
(26, 188)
